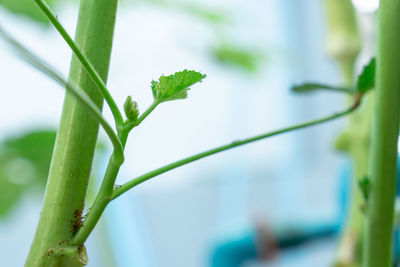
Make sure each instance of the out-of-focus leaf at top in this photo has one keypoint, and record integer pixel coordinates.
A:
(209, 14)
(201, 12)
(28, 8)
(24, 164)
(243, 58)
(312, 87)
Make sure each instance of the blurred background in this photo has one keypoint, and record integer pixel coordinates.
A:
(252, 52)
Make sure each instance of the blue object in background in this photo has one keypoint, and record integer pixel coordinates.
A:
(254, 245)
(396, 234)
(236, 251)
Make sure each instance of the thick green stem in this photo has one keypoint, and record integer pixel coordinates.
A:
(385, 130)
(76, 138)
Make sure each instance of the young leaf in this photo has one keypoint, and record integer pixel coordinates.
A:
(311, 87)
(365, 186)
(366, 80)
(175, 86)
(131, 109)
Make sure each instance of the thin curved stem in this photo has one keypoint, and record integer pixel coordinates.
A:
(107, 193)
(125, 187)
(45, 68)
(146, 113)
(84, 61)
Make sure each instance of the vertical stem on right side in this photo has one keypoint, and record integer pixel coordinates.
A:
(385, 131)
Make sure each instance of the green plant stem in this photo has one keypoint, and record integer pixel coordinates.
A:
(128, 126)
(102, 199)
(146, 113)
(42, 66)
(84, 61)
(104, 196)
(385, 131)
(125, 187)
(76, 138)
(348, 90)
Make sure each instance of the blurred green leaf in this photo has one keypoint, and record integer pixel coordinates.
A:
(36, 147)
(312, 87)
(200, 11)
(10, 194)
(365, 186)
(246, 59)
(204, 13)
(366, 80)
(28, 8)
(24, 164)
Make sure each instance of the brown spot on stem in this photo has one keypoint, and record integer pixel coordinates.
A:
(77, 220)
(50, 252)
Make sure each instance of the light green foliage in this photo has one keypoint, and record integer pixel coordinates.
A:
(245, 59)
(175, 86)
(131, 109)
(24, 165)
(200, 11)
(207, 14)
(311, 87)
(27, 8)
(366, 80)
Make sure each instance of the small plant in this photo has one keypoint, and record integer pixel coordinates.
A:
(63, 229)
